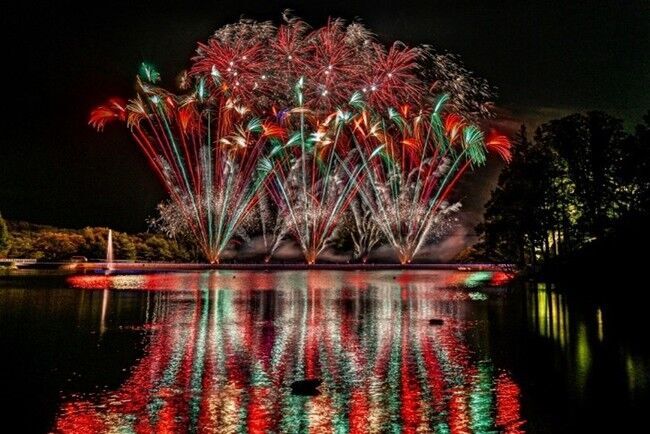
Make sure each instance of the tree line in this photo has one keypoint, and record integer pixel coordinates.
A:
(26, 240)
(580, 185)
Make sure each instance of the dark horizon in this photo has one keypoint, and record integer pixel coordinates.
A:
(546, 59)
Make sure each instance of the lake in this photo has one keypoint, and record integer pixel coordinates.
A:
(218, 351)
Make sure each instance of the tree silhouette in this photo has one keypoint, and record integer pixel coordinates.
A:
(575, 184)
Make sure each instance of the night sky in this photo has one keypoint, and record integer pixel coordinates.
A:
(547, 59)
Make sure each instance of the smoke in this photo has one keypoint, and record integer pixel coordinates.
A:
(509, 119)
(461, 235)
(444, 250)
(253, 249)
(288, 251)
(448, 247)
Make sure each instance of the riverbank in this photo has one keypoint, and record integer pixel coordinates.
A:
(171, 266)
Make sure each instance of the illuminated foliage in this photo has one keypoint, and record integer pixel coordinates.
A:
(590, 182)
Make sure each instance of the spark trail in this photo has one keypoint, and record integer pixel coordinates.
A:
(327, 123)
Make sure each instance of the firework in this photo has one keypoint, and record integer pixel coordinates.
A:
(364, 231)
(315, 177)
(283, 130)
(258, 65)
(424, 155)
(205, 151)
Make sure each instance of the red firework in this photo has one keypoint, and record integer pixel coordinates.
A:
(314, 119)
(335, 61)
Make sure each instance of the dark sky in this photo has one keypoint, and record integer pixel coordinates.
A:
(546, 58)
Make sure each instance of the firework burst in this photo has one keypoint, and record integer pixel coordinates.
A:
(424, 155)
(206, 152)
(285, 130)
(258, 65)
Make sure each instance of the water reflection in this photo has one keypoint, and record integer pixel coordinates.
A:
(582, 339)
(223, 349)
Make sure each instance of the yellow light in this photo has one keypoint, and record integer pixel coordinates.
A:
(599, 320)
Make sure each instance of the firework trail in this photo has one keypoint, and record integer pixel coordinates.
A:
(364, 231)
(285, 130)
(205, 150)
(271, 224)
(423, 157)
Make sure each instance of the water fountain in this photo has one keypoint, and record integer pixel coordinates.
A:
(109, 250)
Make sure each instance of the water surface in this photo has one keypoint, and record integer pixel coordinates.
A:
(218, 351)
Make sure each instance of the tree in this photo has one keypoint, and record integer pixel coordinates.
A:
(124, 245)
(4, 234)
(57, 246)
(527, 217)
(502, 237)
(583, 179)
(94, 246)
(522, 209)
(635, 173)
(591, 144)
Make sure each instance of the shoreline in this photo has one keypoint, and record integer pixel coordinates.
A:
(171, 267)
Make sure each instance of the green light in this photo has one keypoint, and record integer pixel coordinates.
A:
(478, 278)
(477, 296)
(149, 73)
